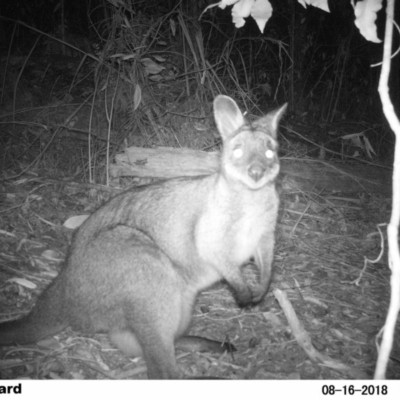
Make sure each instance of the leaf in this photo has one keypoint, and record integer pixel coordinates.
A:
(77, 375)
(75, 221)
(272, 318)
(224, 3)
(49, 343)
(23, 282)
(266, 88)
(159, 58)
(172, 25)
(116, 3)
(156, 78)
(51, 255)
(366, 13)
(20, 181)
(127, 24)
(368, 147)
(117, 55)
(151, 67)
(355, 138)
(240, 11)
(137, 97)
(321, 4)
(261, 12)
(129, 56)
(361, 141)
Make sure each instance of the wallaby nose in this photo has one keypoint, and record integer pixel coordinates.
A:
(256, 172)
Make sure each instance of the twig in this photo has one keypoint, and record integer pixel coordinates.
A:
(393, 227)
(304, 340)
(367, 261)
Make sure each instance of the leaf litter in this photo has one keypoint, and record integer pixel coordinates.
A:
(316, 322)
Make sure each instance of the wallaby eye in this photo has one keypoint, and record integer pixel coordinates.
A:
(237, 153)
(269, 154)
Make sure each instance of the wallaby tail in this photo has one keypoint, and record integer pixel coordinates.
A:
(46, 318)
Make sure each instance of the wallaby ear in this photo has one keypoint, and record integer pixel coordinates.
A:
(228, 116)
(271, 120)
(277, 115)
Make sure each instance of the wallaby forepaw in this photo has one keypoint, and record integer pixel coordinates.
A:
(244, 298)
(258, 293)
(250, 297)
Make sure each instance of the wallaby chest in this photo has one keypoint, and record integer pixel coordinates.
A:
(255, 222)
(234, 223)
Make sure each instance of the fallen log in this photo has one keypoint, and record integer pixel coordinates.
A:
(296, 174)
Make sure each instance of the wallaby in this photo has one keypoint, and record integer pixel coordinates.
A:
(136, 265)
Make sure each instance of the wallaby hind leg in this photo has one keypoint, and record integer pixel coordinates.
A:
(160, 358)
(153, 324)
(150, 331)
(151, 309)
(158, 352)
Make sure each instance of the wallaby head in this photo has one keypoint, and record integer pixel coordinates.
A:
(250, 153)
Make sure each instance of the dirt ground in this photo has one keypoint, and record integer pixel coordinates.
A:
(321, 248)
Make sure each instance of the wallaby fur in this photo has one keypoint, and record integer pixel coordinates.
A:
(136, 265)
